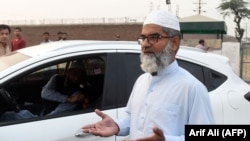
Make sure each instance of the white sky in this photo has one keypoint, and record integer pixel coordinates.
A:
(68, 9)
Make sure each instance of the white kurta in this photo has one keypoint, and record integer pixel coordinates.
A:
(168, 101)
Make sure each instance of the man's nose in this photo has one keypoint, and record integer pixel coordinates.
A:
(5, 35)
(145, 44)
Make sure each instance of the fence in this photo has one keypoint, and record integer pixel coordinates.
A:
(74, 21)
(245, 62)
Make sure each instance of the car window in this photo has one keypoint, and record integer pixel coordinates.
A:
(24, 93)
(214, 79)
(94, 66)
(194, 69)
(210, 78)
(47, 72)
(130, 71)
(123, 69)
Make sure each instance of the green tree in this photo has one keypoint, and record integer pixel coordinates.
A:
(239, 9)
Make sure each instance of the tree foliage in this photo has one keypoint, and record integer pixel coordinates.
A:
(237, 8)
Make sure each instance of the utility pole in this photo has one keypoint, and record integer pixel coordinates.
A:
(199, 7)
(168, 2)
(246, 31)
(177, 10)
(151, 7)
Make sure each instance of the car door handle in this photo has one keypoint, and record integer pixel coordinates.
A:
(80, 134)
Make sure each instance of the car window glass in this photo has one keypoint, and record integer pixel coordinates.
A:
(128, 75)
(194, 69)
(94, 66)
(214, 79)
(210, 78)
(26, 90)
(46, 72)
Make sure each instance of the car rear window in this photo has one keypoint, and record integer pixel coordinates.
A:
(210, 78)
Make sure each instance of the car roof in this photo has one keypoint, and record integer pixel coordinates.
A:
(184, 51)
(44, 51)
(38, 50)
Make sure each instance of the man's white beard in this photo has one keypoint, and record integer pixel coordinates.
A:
(154, 62)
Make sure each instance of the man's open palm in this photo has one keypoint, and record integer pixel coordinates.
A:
(104, 128)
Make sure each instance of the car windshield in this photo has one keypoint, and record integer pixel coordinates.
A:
(12, 59)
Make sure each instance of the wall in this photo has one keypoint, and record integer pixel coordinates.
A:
(33, 34)
(232, 51)
(128, 31)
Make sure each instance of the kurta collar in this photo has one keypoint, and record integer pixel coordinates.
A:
(170, 68)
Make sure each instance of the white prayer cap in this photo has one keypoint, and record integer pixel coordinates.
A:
(163, 18)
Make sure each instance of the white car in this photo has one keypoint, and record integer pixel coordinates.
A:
(112, 68)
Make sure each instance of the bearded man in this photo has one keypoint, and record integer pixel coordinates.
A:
(166, 97)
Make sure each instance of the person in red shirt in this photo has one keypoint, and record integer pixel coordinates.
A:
(18, 42)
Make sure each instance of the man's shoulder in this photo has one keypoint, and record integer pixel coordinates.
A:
(143, 77)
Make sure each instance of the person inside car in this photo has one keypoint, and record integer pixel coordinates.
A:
(166, 97)
(62, 93)
(13, 115)
(67, 92)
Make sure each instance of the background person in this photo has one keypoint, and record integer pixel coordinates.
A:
(46, 38)
(64, 36)
(18, 42)
(59, 35)
(4, 38)
(201, 46)
(166, 97)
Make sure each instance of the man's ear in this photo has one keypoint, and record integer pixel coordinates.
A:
(175, 44)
